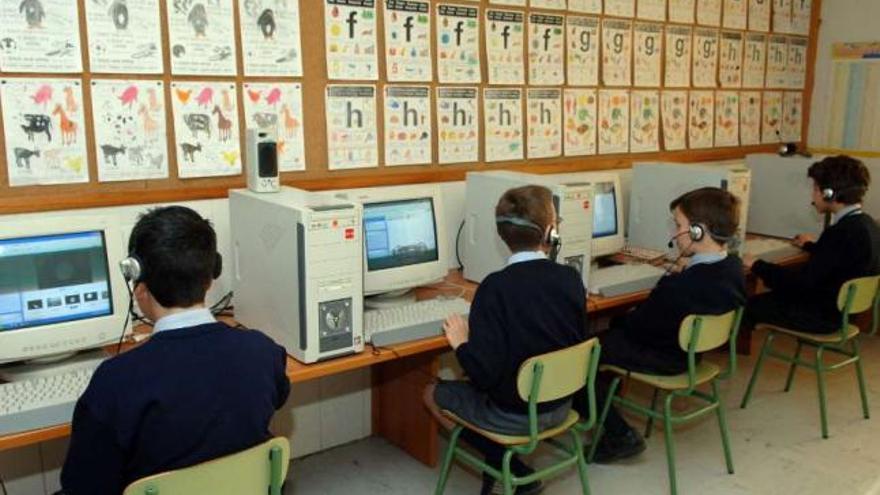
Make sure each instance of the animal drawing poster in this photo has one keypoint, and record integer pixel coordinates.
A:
(644, 121)
(270, 37)
(678, 56)
(726, 118)
(801, 14)
(43, 131)
(796, 64)
(408, 125)
(673, 113)
(682, 11)
(652, 10)
(579, 125)
(458, 44)
(408, 40)
(771, 117)
(278, 107)
(202, 37)
(548, 4)
(351, 40)
(616, 52)
(754, 60)
(515, 3)
(351, 127)
(40, 36)
(583, 50)
(701, 119)
(502, 113)
(546, 49)
(458, 125)
(709, 12)
(759, 15)
(705, 66)
(620, 8)
(130, 132)
(504, 47)
(750, 118)
(735, 13)
(124, 36)
(544, 113)
(731, 59)
(613, 121)
(781, 20)
(792, 116)
(777, 57)
(585, 6)
(206, 132)
(648, 47)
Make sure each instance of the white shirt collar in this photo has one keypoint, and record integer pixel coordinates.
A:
(847, 210)
(526, 256)
(706, 258)
(184, 319)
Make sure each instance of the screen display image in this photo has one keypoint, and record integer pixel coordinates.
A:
(53, 279)
(604, 210)
(400, 233)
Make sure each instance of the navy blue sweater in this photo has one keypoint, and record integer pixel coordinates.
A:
(183, 397)
(526, 309)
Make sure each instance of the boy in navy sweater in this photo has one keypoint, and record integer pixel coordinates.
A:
(805, 298)
(646, 339)
(531, 307)
(197, 390)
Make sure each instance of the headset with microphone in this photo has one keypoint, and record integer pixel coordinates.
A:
(552, 238)
(697, 232)
(134, 270)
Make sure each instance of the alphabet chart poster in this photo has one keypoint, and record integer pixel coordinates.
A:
(40, 36)
(504, 47)
(620, 8)
(270, 38)
(124, 37)
(43, 131)
(673, 110)
(702, 118)
(709, 12)
(278, 107)
(546, 49)
(544, 122)
(731, 60)
(613, 121)
(759, 15)
(781, 16)
(652, 10)
(549, 4)
(682, 11)
(735, 12)
(771, 127)
(206, 129)
(754, 60)
(458, 123)
(580, 122)
(645, 121)
(583, 51)
(792, 118)
(130, 133)
(750, 118)
(350, 39)
(408, 40)
(705, 58)
(616, 52)
(726, 118)
(408, 125)
(777, 56)
(202, 38)
(801, 15)
(678, 57)
(516, 3)
(351, 127)
(502, 111)
(458, 44)
(797, 63)
(648, 51)
(585, 6)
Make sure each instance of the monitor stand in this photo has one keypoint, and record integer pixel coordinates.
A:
(390, 299)
(52, 365)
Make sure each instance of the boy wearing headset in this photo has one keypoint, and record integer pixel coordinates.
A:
(197, 390)
(805, 298)
(531, 307)
(646, 339)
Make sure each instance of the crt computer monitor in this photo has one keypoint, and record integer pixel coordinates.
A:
(60, 290)
(608, 235)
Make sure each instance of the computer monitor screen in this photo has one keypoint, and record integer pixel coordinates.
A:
(400, 233)
(604, 210)
(53, 279)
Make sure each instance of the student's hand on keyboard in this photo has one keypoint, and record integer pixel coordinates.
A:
(801, 239)
(456, 329)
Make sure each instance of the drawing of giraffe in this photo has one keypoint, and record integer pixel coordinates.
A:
(224, 125)
(290, 122)
(68, 127)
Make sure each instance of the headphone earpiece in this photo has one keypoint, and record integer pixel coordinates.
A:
(551, 239)
(696, 232)
(827, 194)
(133, 269)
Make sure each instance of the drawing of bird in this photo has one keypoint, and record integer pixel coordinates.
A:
(274, 96)
(129, 96)
(254, 95)
(230, 157)
(43, 95)
(183, 95)
(205, 97)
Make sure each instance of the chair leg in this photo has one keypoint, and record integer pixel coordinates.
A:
(860, 375)
(447, 460)
(670, 446)
(650, 426)
(506, 475)
(764, 348)
(722, 424)
(600, 429)
(820, 378)
(790, 379)
(581, 462)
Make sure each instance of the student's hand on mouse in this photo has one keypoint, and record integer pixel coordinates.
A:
(456, 329)
(748, 260)
(801, 239)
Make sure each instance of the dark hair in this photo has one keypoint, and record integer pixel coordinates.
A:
(531, 203)
(178, 252)
(846, 176)
(715, 209)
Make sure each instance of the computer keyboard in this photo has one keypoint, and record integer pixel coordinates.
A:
(643, 253)
(411, 321)
(623, 279)
(40, 402)
(771, 249)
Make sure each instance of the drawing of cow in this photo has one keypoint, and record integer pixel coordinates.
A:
(23, 157)
(36, 124)
(198, 122)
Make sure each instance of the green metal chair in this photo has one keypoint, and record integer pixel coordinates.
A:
(258, 470)
(541, 378)
(875, 312)
(697, 334)
(855, 296)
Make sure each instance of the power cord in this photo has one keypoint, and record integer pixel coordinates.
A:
(3, 486)
(127, 318)
(457, 253)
